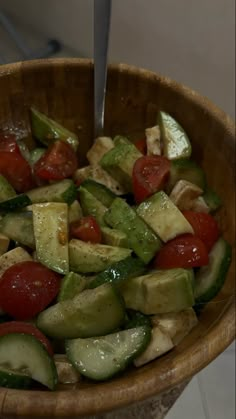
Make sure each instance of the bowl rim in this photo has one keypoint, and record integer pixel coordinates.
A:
(146, 384)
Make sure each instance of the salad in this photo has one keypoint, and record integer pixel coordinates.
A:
(104, 266)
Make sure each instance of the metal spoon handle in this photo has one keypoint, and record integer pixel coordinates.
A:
(102, 15)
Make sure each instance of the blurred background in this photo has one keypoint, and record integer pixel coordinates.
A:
(190, 41)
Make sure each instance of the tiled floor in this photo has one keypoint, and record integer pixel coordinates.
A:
(211, 394)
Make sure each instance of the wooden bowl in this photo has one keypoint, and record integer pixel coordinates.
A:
(63, 89)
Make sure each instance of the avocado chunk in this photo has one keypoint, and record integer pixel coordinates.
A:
(161, 291)
(114, 237)
(91, 206)
(140, 237)
(119, 162)
(87, 257)
(176, 143)
(163, 217)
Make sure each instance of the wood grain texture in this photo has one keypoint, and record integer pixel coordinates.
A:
(63, 89)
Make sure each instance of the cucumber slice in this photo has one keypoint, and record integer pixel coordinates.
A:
(176, 143)
(15, 203)
(72, 284)
(47, 130)
(210, 279)
(101, 358)
(13, 379)
(119, 271)
(51, 235)
(63, 191)
(91, 313)
(18, 226)
(101, 192)
(36, 154)
(6, 190)
(90, 257)
(24, 354)
(92, 206)
(212, 199)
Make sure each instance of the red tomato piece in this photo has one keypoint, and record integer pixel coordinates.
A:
(141, 145)
(185, 251)
(27, 328)
(86, 229)
(8, 143)
(205, 227)
(16, 170)
(150, 173)
(27, 288)
(59, 162)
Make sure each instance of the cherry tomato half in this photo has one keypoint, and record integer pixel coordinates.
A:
(27, 328)
(16, 170)
(141, 145)
(205, 227)
(86, 229)
(8, 143)
(26, 288)
(150, 174)
(59, 162)
(185, 251)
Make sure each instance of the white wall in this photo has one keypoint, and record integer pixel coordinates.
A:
(192, 41)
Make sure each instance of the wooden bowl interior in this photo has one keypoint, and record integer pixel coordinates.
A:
(63, 89)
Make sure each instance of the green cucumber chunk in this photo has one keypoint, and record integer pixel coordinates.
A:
(210, 279)
(89, 257)
(163, 216)
(63, 191)
(213, 200)
(119, 271)
(35, 155)
(176, 143)
(103, 357)
(140, 237)
(119, 162)
(18, 226)
(24, 354)
(92, 206)
(184, 169)
(6, 190)
(136, 319)
(14, 379)
(15, 203)
(114, 237)
(71, 285)
(161, 291)
(99, 191)
(90, 313)
(51, 235)
(47, 130)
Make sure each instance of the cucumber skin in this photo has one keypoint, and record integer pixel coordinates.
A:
(15, 203)
(127, 361)
(36, 342)
(101, 192)
(117, 272)
(11, 379)
(215, 289)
